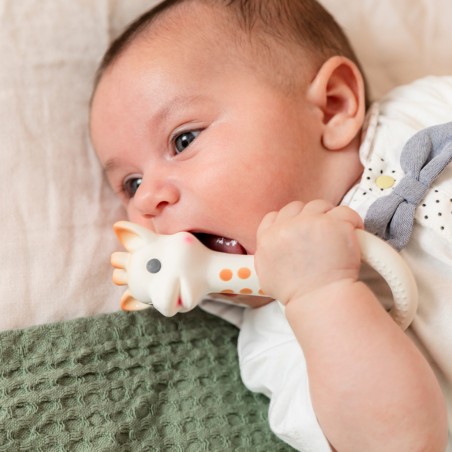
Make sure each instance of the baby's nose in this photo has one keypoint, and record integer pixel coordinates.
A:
(153, 196)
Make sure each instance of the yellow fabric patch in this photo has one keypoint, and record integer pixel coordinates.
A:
(385, 181)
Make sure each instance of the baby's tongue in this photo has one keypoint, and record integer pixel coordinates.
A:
(221, 244)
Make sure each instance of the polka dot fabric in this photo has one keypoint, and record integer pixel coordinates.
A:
(129, 382)
(435, 212)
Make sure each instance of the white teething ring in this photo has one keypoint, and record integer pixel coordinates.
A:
(186, 271)
(387, 261)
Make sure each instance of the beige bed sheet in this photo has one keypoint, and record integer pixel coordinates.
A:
(56, 209)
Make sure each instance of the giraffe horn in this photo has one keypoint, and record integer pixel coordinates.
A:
(120, 277)
(129, 303)
(119, 260)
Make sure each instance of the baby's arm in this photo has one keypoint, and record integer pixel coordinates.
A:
(371, 388)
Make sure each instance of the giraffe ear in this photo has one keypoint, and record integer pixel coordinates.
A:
(133, 236)
(128, 303)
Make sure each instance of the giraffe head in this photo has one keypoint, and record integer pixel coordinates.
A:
(165, 271)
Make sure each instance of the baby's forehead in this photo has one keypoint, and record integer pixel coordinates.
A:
(283, 42)
(173, 45)
(191, 24)
(198, 32)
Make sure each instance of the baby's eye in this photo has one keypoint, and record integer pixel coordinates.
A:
(184, 140)
(131, 186)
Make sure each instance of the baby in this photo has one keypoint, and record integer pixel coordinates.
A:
(244, 122)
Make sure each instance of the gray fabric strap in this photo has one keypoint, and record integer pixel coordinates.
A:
(423, 159)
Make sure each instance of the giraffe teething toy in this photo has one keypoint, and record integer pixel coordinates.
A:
(175, 272)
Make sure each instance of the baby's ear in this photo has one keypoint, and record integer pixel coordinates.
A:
(133, 236)
(338, 92)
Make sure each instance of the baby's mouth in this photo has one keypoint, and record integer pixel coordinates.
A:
(221, 244)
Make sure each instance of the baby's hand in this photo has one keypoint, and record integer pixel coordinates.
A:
(305, 247)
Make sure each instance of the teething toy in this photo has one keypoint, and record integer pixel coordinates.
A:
(175, 272)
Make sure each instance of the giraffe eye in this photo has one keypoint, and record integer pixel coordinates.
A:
(153, 266)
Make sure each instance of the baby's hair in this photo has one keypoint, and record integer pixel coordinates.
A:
(281, 27)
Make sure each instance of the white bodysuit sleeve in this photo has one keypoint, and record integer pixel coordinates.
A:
(227, 311)
(272, 363)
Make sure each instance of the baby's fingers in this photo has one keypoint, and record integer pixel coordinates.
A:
(266, 222)
(318, 206)
(289, 211)
(344, 213)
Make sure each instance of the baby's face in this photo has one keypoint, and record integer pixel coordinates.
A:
(191, 142)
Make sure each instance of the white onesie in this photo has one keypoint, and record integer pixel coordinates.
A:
(271, 360)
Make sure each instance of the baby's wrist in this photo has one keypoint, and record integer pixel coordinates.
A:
(333, 292)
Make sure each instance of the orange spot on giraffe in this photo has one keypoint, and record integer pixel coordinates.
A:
(226, 274)
(246, 291)
(260, 291)
(244, 273)
(227, 291)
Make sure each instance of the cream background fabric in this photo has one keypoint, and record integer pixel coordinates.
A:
(56, 210)
(397, 41)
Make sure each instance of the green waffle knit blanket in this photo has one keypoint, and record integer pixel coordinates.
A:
(129, 382)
